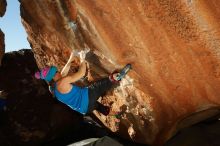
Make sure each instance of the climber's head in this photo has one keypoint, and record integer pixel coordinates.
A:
(47, 73)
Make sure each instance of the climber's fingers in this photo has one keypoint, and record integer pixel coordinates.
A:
(87, 65)
(73, 56)
(82, 54)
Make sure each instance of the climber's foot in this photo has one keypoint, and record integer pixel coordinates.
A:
(123, 72)
(113, 77)
(117, 76)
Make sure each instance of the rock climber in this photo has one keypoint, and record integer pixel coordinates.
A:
(80, 99)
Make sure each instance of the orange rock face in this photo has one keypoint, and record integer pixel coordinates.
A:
(172, 46)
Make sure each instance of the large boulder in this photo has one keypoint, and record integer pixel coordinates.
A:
(205, 133)
(172, 46)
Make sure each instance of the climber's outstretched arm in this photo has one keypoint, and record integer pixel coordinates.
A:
(76, 76)
(66, 68)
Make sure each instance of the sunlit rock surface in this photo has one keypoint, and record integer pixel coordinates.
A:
(172, 46)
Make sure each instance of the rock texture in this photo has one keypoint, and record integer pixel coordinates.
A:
(173, 47)
(3, 5)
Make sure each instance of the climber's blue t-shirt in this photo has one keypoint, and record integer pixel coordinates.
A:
(77, 98)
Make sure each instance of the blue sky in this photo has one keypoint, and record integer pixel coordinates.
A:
(10, 24)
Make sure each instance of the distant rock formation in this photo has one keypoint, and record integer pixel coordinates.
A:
(172, 46)
(2, 45)
(3, 5)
